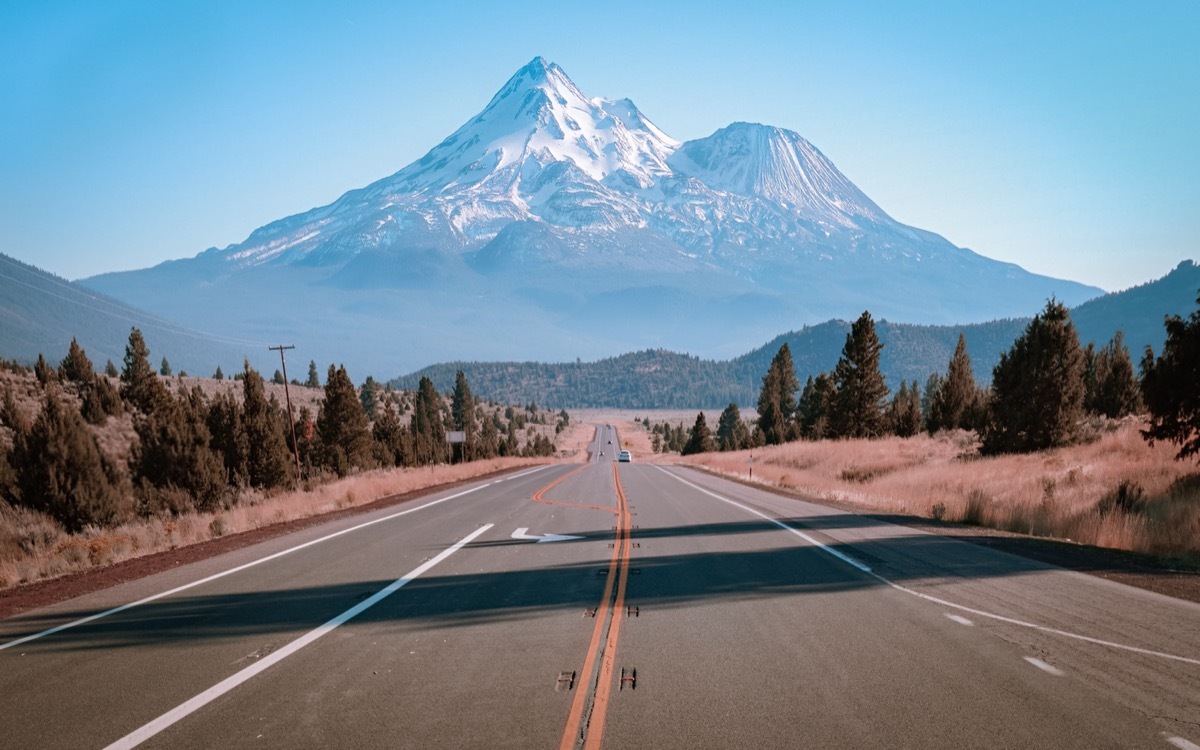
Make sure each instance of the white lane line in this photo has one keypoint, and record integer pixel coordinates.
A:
(954, 605)
(1048, 668)
(240, 568)
(1183, 744)
(959, 619)
(839, 555)
(146, 731)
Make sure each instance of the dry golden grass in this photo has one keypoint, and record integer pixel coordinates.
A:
(1115, 491)
(33, 547)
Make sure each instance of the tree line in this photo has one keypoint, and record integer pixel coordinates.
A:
(1042, 389)
(194, 452)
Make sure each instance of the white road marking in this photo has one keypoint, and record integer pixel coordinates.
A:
(1049, 668)
(1183, 744)
(240, 568)
(522, 533)
(945, 603)
(959, 619)
(146, 731)
(839, 555)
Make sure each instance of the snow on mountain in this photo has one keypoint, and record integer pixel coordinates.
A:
(548, 200)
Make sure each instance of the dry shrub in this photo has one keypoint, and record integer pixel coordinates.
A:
(1114, 491)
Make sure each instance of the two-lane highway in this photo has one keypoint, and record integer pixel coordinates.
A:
(624, 605)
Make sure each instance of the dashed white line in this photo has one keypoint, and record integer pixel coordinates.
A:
(240, 568)
(1048, 668)
(959, 619)
(146, 731)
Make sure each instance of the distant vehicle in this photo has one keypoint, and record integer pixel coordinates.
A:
(624, 456)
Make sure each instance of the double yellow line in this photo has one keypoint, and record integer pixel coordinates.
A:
(605, 633)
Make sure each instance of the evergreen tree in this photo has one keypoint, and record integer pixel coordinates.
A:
(1171, 386)
(268, 462)
(732, 433)
(218, 374)
(345, 435)
(956, 403)
(227, 437)
(277, 378)
(428, 429)
(777, 399)
(858, 403)
(369, 396)
(393, 443)
(173, 462)
(140, 387)
(314, 378)
(1113, 387)
(816, 406)
(462, 414)
(76, 367)
(933, 387)
(110, 369)
(1037, 387)
(100, 400)
(700, 439)
(904, 414)
(61, 471)
(165, 368)
(44, 372)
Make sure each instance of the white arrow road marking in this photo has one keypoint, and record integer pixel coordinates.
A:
(539, 538)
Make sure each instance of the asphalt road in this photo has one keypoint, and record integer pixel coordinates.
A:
(685, 612)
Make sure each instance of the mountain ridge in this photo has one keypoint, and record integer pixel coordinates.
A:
(548, 204)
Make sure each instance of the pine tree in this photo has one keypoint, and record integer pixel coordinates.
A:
(777, 399)
(174, 463)
(1113, 387)
(1171, 386)
(428, 429)
(700, 439)
(100, 400)
(218, 374)
(369, 396)
(277, 378)
(1037, 387)
(816, 407)
(314, 378)
(227, 437)
(165, 368)
(956, 403)
(111, 370)
(76, 367)
(140, 387)
(268, 462)
(342, 425)
(732, 433)
(61, 471)
(904, 414)
(393, 443)
(44, 372)
(462, 414)
(858, 403)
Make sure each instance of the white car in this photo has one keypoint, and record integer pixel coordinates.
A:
(624, 457)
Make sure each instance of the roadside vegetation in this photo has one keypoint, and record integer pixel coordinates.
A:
(1067, 442)
(99, 467)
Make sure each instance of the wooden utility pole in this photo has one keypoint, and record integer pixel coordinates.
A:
(288, 395)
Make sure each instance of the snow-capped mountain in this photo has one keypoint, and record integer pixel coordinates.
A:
(549, 205)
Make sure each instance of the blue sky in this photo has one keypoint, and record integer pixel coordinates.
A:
(1062, 136)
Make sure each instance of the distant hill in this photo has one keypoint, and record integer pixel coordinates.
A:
(40, 313)
(665, 379)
